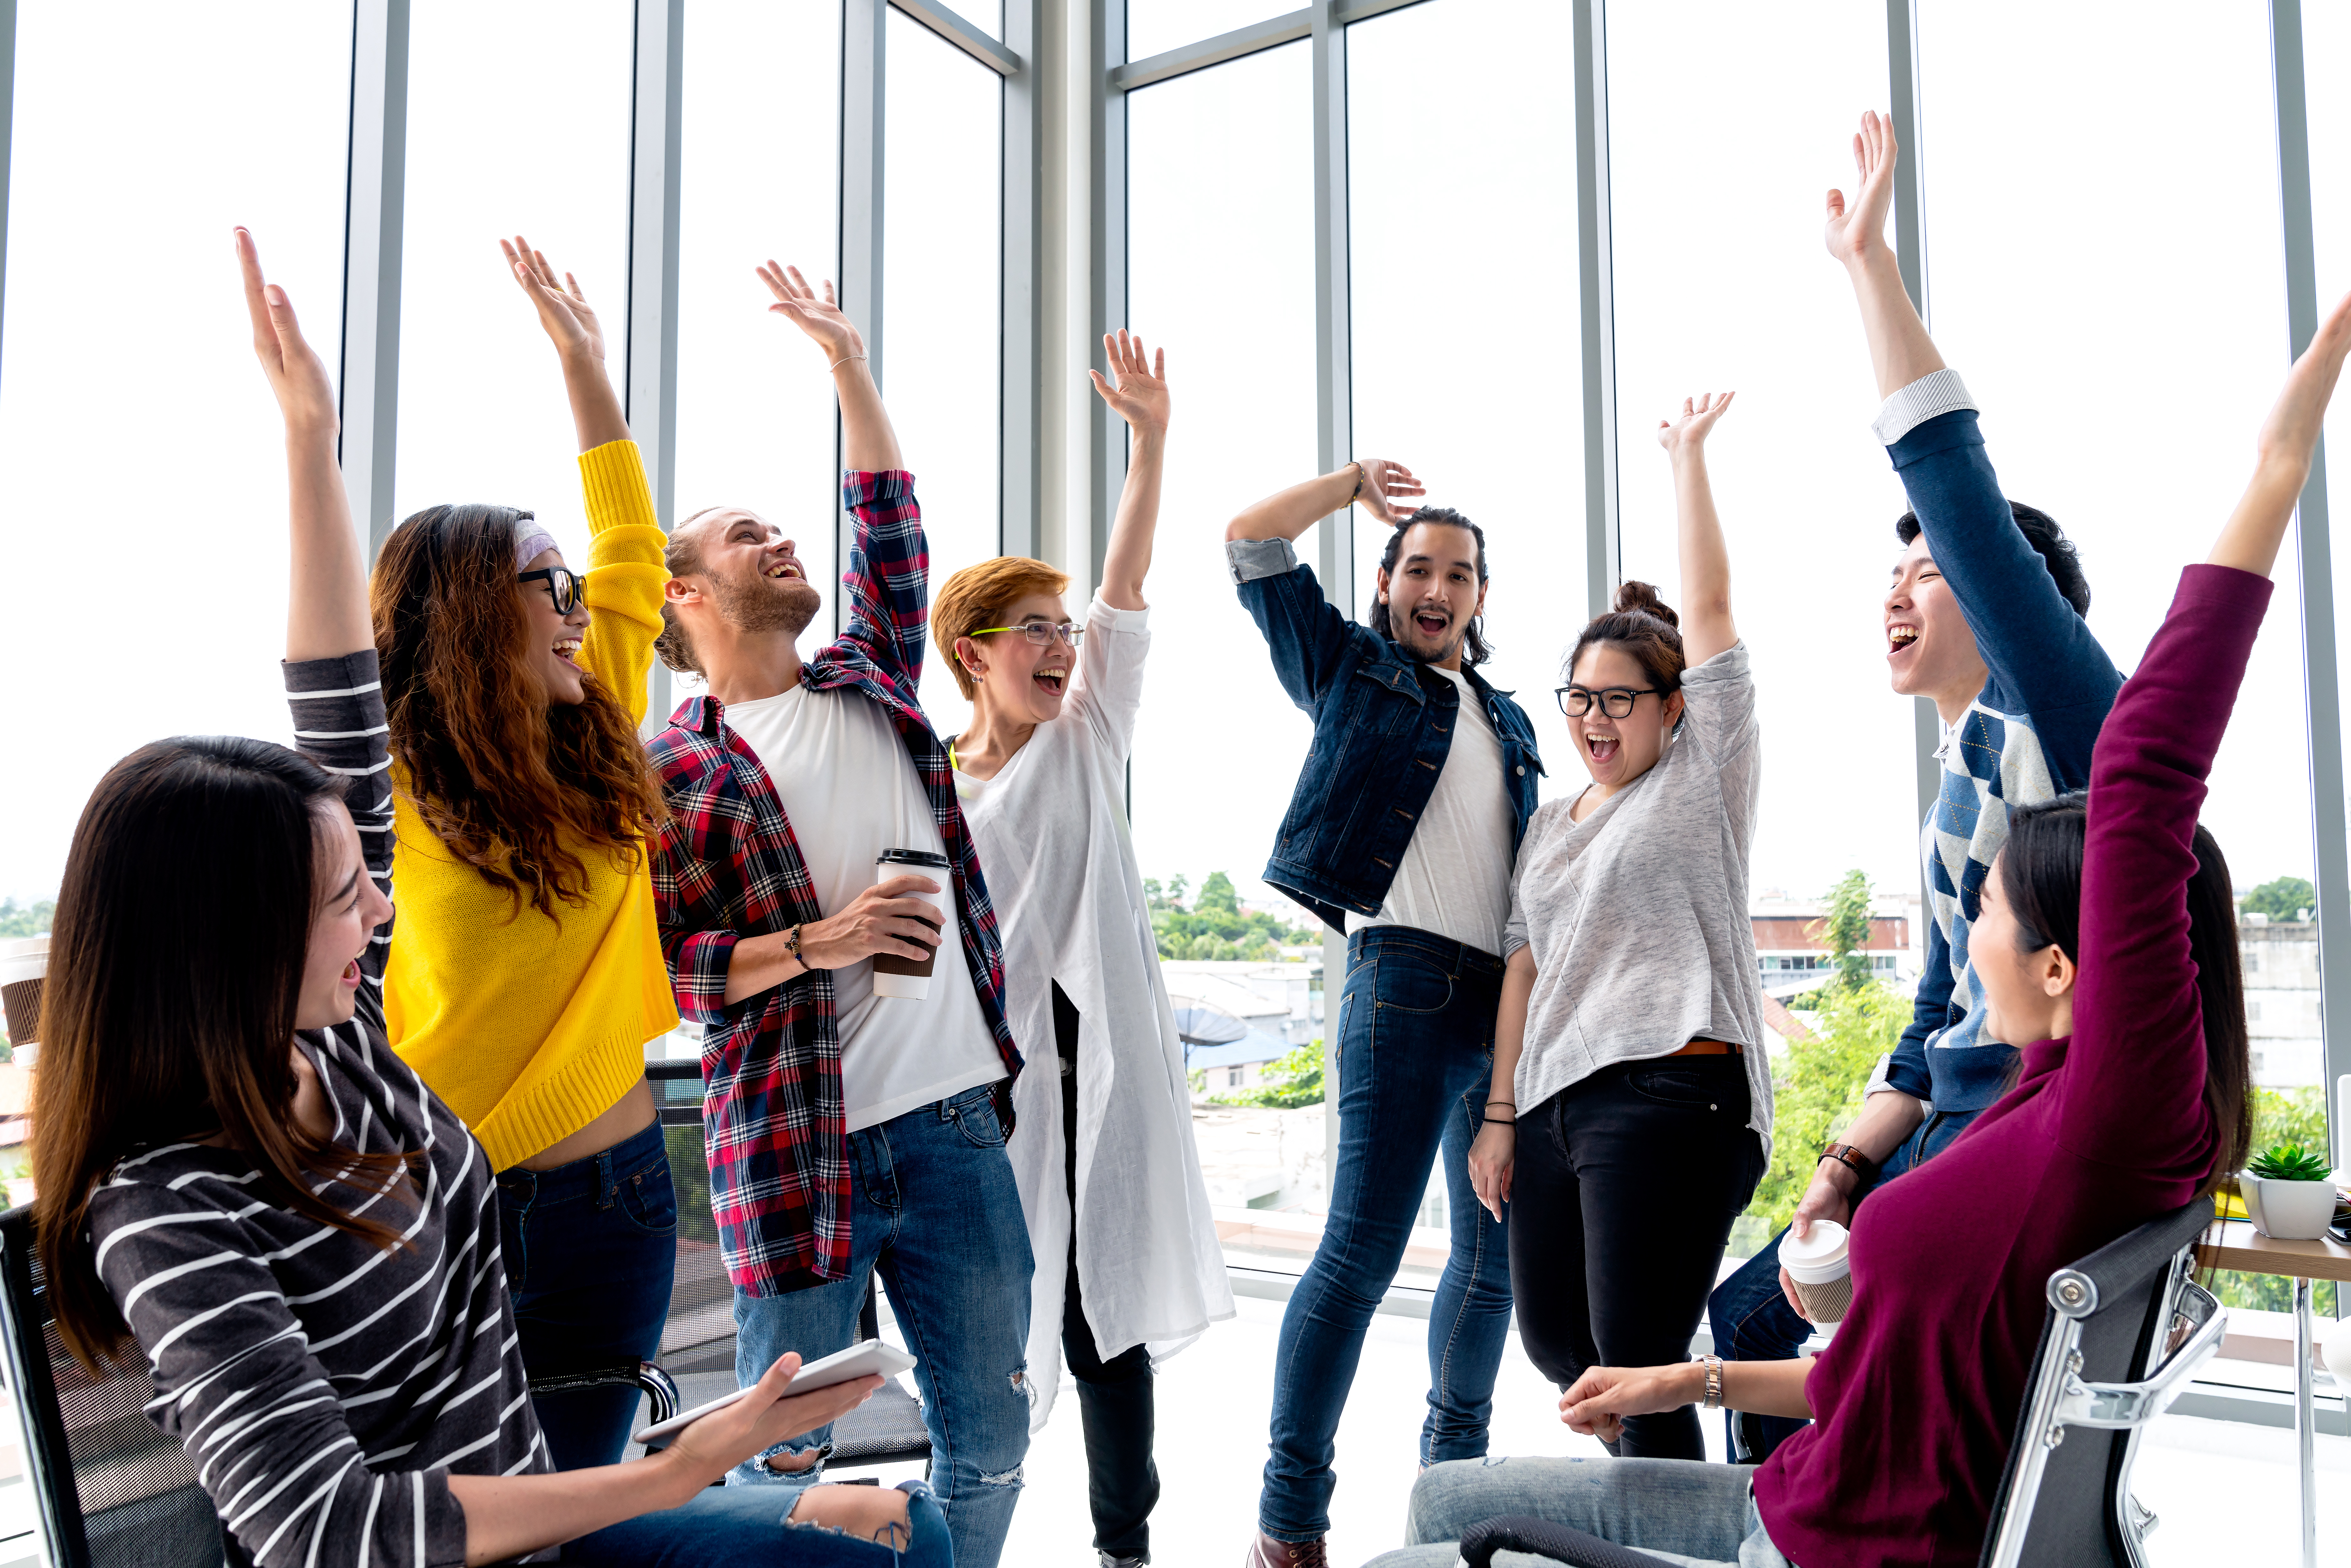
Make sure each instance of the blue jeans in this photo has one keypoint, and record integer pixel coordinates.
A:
(1751, 1319)
(1685, 1512)
(590, 1248)
(933, 1207)
(1416, 1058)
(735, 1529)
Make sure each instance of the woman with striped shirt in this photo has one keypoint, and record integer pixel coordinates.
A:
(237, 1172)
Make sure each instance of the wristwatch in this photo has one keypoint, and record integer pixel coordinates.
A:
(1851, 1159)
(1713, 1364)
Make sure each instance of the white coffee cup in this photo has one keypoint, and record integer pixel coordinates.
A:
(1821, 1270)
(911, 978)
(22, 964)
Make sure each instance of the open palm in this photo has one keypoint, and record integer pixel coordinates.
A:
(1698, 416)
(817, 315)
(1140, 393)
(563, 310)
(1852, 232)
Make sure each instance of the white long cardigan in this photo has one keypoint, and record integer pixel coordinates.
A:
(1060, 868)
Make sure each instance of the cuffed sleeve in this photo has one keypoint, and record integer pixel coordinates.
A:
(698, 961)
(1249, 559)
(1936, 392)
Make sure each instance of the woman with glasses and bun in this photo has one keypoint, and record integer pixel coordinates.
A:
(527, 977)
(1630, 1115)
(1128, 1263)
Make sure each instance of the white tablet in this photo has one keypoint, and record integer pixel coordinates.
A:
(868, 1358)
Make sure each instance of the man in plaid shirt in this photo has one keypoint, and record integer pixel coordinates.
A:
(849, 1130)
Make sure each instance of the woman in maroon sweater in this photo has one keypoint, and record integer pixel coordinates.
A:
(2131, 1105)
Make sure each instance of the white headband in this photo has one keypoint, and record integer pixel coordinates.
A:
(529, 540)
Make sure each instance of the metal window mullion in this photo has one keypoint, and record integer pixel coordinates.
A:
(1106, 269)
(864, 64)
(2313, 553)
(1021, 422)
(649, 386)
(1596, 286)
(7, 124)
(1004, 59)
(374, 197)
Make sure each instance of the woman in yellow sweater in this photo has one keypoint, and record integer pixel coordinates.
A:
(527, 975)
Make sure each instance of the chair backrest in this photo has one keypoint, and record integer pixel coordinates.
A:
(113, 1491)
(2127, 1327)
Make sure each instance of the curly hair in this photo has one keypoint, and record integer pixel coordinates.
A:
(979, 595)
(509, 782)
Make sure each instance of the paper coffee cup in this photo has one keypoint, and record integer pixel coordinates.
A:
(1820, 1268)
(23, 964)
(911, 978)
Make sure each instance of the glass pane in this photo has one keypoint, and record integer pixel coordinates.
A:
(754, 407)
(1154, 27)
(942, 298)
(1221, 274)
(2046, 332)
(541, 148)
(131, 411)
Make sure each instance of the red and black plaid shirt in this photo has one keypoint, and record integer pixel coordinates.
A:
(727, 866)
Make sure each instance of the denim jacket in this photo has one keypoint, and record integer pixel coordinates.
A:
(1382, 725)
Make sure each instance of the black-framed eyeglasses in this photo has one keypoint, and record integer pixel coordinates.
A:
(566, 587)
(1616, 702)
(1040, 632)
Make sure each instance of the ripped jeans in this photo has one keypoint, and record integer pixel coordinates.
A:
(931, 1205)
(745, 1528)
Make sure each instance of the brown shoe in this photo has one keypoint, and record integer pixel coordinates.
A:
(1267, 1553)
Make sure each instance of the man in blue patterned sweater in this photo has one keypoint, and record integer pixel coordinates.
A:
(1985, 619)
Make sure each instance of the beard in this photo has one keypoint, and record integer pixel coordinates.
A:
(754, 604)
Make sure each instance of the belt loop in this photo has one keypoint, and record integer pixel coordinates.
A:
(607, 1189)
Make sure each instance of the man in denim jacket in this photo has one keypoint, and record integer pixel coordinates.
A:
(1402, 831)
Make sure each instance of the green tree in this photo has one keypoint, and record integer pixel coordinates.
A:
(26, 920)
(1216, 896)
(2283, 898)
(1215, 927)
(1845, 931)
(1818, 1084)
(1291, 1081)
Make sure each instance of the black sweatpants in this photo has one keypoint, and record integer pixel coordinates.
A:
(1114, 1396)
(1622, 1196)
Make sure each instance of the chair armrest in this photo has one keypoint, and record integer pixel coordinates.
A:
(659, 1388)
(2126, 1405)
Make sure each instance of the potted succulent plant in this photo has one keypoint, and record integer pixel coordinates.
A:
(2289, 1193)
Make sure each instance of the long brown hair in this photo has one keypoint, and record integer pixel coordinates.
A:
(175, 978)
(507, 780)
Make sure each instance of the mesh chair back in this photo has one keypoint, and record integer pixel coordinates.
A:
(113, 1491)
(2123, 1301)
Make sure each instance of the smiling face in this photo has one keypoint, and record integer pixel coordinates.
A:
(1018, 680)
(2028, 996)
(1433, 593)
(1618, 750)
(1930, 650)
(350, 907)
(551, 639)
(749, 575)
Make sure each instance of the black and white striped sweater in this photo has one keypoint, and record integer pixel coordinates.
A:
(325, 1388)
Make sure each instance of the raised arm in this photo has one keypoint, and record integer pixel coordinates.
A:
(327, 610)
(578, 339)
(1899, 347)
(1140, 398)
(1385, 488)
(1707, 626)
(868, 444)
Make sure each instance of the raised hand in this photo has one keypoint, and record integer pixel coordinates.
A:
(305, 396)
(1139, 396)
(1688, 433)
(1388, 490)
(820, 317)
(562, 308)
(1853, 235)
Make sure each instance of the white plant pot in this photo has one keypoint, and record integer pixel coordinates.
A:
(2288, 1210)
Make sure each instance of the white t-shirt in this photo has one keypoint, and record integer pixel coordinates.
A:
(849, 789)
(1455, 876)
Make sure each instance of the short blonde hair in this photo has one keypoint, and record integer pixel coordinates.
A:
(978, 596)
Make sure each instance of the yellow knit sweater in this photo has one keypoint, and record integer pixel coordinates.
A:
(531, 1027)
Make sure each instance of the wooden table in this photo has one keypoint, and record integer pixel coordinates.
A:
(2246, 1250)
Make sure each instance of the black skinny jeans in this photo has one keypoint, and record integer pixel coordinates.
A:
(1621, 1199)
(1114, 1396)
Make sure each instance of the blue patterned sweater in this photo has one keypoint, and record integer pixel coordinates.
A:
(2025, 738)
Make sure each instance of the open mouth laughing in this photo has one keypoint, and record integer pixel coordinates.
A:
(1603, 748)
(567, 650)
(1900, 635)
(1051, 680)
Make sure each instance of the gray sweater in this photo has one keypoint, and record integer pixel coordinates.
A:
(327, 1389)
(1637, 915)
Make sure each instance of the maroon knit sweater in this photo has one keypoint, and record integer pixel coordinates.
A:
(1916, 1397)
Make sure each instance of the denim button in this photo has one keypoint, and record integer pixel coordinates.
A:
(1522, 770)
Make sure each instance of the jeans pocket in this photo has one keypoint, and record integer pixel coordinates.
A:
(1690, 1085)
(649, 1199)
(1409, 985)
(974, 1114)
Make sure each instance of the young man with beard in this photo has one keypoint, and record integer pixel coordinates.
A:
(1986, 619)
(849, 1131)
(1402, 829)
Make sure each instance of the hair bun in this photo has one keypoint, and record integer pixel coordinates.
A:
(1642, 597)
